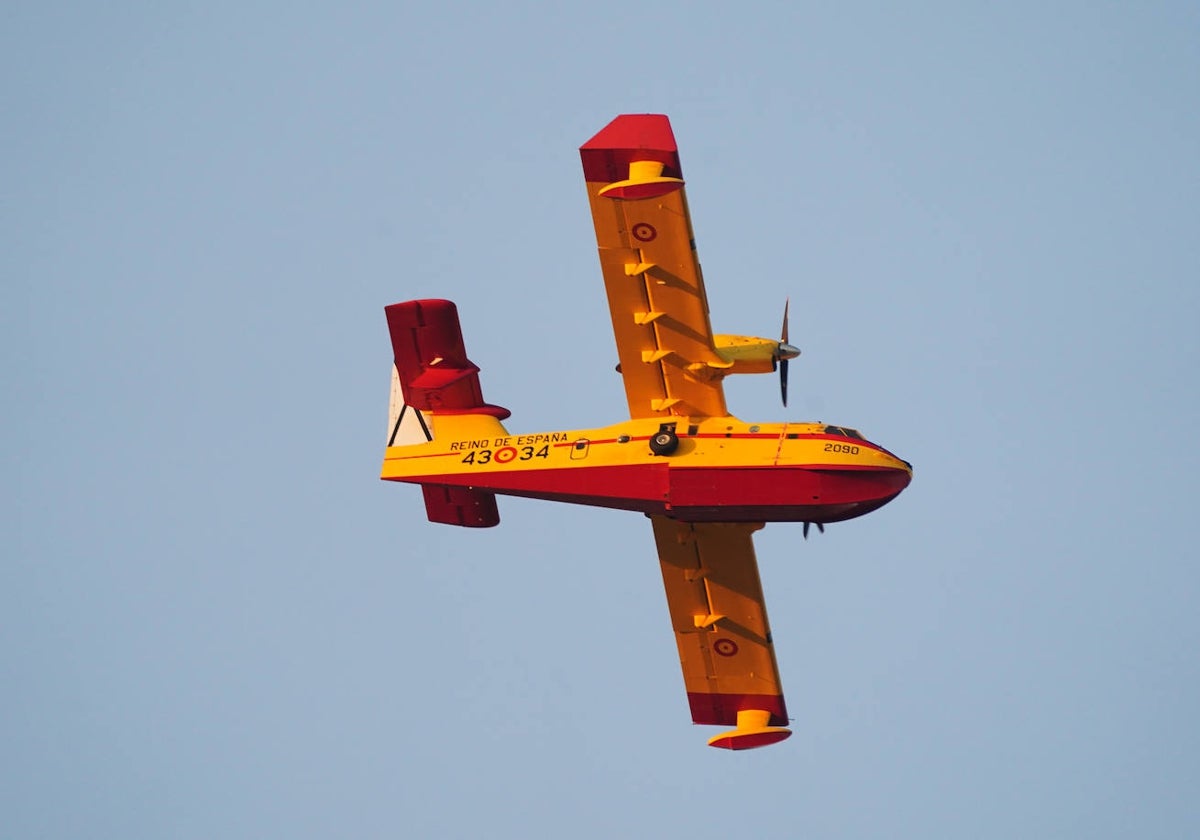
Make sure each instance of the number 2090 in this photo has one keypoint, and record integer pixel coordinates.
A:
(841, 447)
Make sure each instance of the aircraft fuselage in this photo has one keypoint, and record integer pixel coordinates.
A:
(718, 469)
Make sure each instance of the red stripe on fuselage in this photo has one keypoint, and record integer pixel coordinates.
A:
(701, 494)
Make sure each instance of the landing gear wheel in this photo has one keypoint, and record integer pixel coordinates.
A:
(664, 443)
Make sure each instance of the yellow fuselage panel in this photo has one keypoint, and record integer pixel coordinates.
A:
(715, 442)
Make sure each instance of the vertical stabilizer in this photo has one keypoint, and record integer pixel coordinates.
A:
(435, 373)
(406, 425)
(435, 385)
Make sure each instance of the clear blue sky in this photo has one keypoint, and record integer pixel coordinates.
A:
(216, 622)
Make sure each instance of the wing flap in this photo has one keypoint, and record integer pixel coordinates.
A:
(717, 612)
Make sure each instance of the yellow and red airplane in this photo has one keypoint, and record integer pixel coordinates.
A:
(706, 479)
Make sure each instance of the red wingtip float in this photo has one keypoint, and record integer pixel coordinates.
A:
(634, 157)
(706, 479)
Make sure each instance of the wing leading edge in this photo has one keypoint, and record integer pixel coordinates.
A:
(651, 273)
(720, 621)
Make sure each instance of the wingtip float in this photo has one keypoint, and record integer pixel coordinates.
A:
(706, 479)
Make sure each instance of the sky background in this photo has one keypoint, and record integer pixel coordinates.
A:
(215, 621)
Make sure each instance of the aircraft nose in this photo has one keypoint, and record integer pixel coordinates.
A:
(902, 464)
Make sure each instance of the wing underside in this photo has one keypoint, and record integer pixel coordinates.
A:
(651, 273)
(720, 622)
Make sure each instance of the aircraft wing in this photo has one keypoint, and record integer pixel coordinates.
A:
(651, 273)
(716, 604)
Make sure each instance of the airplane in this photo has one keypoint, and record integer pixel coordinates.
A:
(706, 479)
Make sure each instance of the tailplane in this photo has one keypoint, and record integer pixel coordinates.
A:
(407, 425)
(436, 391)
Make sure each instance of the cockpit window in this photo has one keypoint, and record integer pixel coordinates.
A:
(841, 430)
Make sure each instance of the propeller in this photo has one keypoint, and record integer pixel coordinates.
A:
(820, 528)
(784, 353)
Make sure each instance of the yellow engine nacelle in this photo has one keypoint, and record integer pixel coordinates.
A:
(749, 354)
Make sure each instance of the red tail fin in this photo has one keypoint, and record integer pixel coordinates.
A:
(436, 377)
(435, 373)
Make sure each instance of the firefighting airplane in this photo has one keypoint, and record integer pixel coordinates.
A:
(706, 479)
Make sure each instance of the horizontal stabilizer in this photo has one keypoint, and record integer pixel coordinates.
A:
(435, 373)
(460, 506)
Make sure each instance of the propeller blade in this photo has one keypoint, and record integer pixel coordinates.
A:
(784, 347)
(807, 525)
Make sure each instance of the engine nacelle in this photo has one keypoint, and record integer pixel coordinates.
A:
(749, 354)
